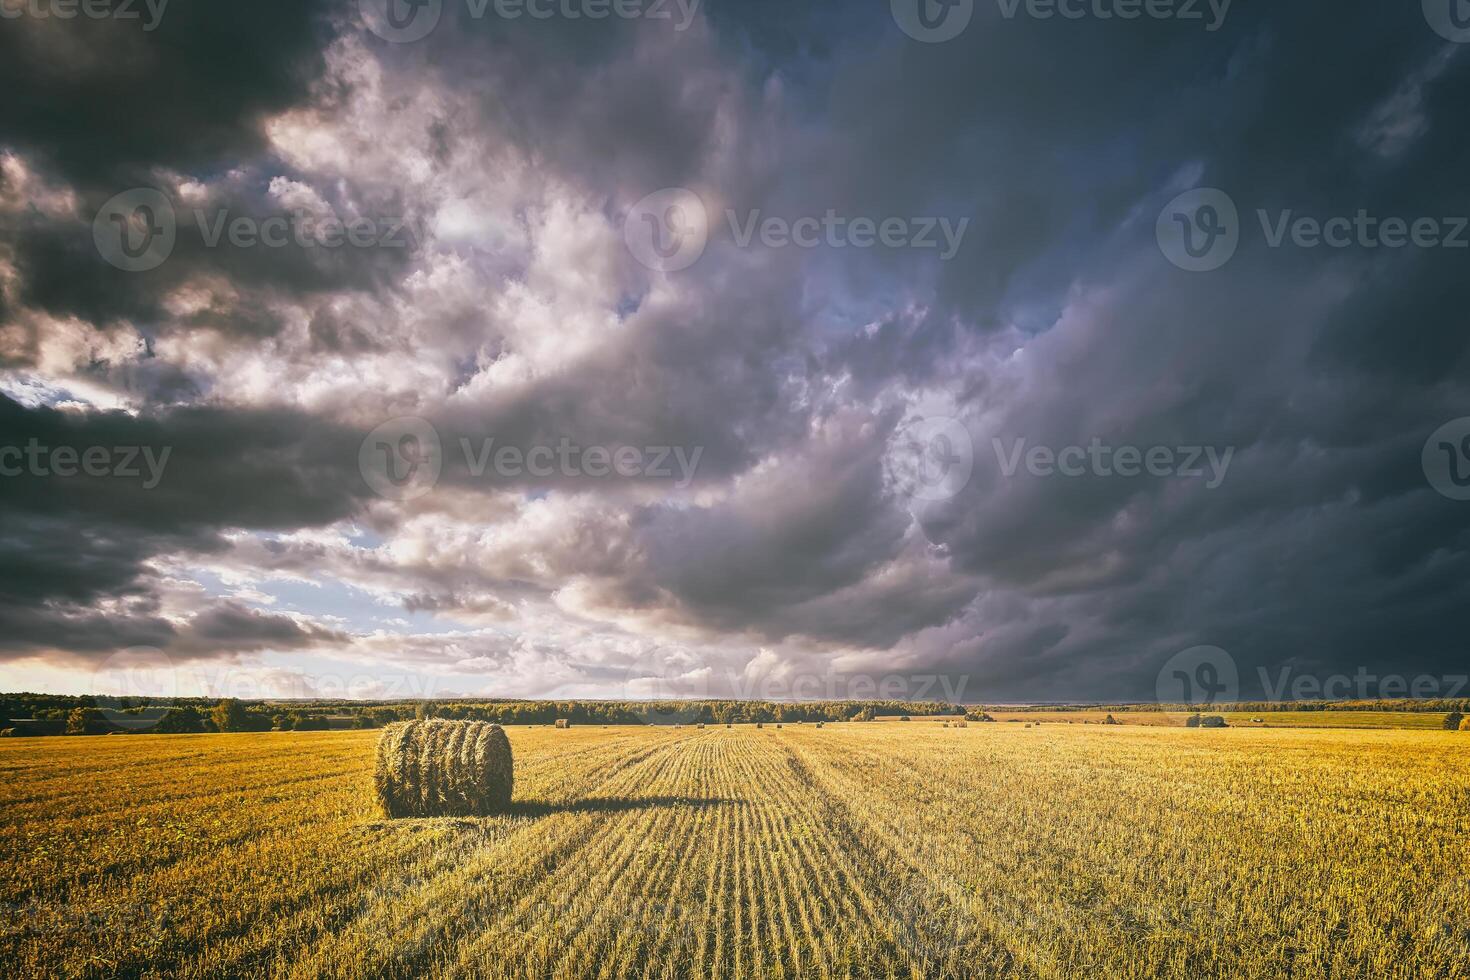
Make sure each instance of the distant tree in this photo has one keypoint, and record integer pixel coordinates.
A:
(86, 721)
(865, 715)
(184, 720)
(230, 716)
(1453, 720)
(310, 723)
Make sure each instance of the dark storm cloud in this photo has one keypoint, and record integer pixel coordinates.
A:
(77, 544)
(1059, 321)
(236, 233)
(102, 102)
(208, 468)
(231, 626)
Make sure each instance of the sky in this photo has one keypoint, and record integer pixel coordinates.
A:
(990, 350)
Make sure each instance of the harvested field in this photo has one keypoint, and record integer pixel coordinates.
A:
(883, 850)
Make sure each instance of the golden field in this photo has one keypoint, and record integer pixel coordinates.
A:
(1419, 720)
(859, 850)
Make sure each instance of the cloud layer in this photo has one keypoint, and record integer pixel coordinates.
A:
(287, 533)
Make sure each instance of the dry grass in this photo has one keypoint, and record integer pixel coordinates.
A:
(880, 850)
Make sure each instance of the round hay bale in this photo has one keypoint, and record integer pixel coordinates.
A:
(444, 769)
(563, 723)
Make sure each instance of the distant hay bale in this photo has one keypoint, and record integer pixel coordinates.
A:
(700, 725)
(563, 723)
(760, 724)
(903, 718)
(778, 724)
(1212, 721)
(440, 768)
(962, 724)
(944, 724)
(1028, 724)
(728, 725)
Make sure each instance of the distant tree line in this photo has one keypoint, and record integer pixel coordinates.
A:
(38, 714)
